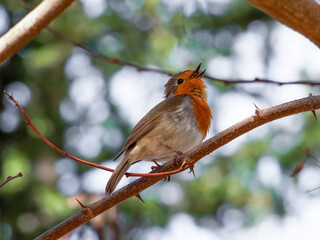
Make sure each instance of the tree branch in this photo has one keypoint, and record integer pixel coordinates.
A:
(120, 62)
(54, 147)
(10, 178)
(300, 15)
(30, 26)
(261, 116)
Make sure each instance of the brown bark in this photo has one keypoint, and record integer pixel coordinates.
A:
(300, 15)
(25, 30)
(259, 118)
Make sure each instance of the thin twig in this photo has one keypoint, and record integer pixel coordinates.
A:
(312, 189)
(29, 123)
(10, 178)
(105, 58)
(307, 152)
(149, 69)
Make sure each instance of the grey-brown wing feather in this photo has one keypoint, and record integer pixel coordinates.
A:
(149, 121)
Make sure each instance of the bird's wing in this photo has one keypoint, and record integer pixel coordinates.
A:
(151, 120)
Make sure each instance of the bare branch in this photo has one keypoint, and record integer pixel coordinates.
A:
(54, 147)
(120, 62)
(262, 116)
(30, 26)
(10, 178)
(300, 15)
(48, 142)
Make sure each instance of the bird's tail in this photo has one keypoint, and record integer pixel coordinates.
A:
(117, 175)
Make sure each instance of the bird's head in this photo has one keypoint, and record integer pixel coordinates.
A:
(188, 82)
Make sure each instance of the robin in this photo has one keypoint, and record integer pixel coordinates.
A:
(177, 124)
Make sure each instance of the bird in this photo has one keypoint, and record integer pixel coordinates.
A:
(175, 125)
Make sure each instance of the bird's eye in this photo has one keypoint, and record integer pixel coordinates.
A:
(180, 80)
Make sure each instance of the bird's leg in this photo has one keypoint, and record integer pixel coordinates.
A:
(184, 165)
(155, 167)
(179, 153)
(167, 179)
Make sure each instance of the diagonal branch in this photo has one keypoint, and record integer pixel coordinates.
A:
(261, 116)
(19, 35)
(300, 15)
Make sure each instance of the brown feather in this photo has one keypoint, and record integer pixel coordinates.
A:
(149, 121)
(115, 178)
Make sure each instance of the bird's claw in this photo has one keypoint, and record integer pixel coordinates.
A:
(167, 178)
(178, 153)
(155, 167)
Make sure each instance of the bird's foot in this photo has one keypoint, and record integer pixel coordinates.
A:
(178, 153)
(155, 167)
(167, 178)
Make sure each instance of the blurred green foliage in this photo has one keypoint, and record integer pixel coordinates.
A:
(143, 32)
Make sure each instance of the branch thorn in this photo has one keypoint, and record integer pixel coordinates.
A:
(192, 170)
(313, 111)
(85, 209)
(314, 114)
(298, 168)
(255, 105)
(81, 204)
(258, 110)
(139, 197)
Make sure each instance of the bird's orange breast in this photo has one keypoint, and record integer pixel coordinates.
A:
(203, 115)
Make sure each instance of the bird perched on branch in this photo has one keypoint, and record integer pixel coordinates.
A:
(177, 124)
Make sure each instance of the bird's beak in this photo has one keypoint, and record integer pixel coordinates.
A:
(200, 74)
(196, 73)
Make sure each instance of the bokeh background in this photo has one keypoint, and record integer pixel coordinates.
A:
(88, 106)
